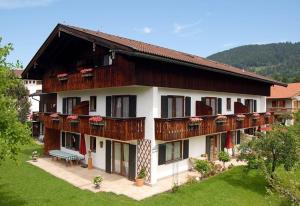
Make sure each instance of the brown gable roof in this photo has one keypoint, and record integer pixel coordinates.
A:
(279, 92)
(134, 46)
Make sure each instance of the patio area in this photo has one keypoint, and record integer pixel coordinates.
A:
(82, 178)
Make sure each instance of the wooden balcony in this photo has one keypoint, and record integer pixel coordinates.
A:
(115, 128)
(282, 110)
(181, 128)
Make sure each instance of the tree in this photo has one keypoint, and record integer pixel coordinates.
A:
(277, 147)
(13, 133)
(224, 157)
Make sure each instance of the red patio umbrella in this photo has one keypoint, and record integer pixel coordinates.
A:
(82, 149)
(228, 140)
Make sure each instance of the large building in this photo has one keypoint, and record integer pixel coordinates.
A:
(33, 86)
(137, 105)
(284, 102)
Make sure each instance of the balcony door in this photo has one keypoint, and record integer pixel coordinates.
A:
(121, 106)
(212, 148)
(121, 158)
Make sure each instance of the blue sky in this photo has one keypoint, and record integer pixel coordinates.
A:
(192, 26)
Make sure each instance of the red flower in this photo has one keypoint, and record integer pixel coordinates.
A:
(62, 75)
(96, 119)
(255, 114)
(72, 117)
(86, 70)
(240, 116)
(195, 119)
(54, 115)
(221, 118)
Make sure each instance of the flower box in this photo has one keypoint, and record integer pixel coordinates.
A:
(62, 77)
(73, 119)
(255, 116)
(240, 117)
(87, 72)
(96, 121)
(54, 117)
(195, 121)
(221, 119)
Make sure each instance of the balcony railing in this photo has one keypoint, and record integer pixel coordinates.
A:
(125, 129)
(281, 110)
(180, 128)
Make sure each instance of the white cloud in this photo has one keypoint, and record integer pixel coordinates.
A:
(178, 28)
(145, 30)
(15, 4)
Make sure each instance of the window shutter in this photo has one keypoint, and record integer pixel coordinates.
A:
(64, 109)
(238, 137)
(161, 154)
(132, 161)
(78, 100)
(187, 106)
(108, 156)
(207, 147)
(255, 105)
(164, 106)
(108, 106)
(219, 105)
(132, 106)
(185, 149)
(63, 139)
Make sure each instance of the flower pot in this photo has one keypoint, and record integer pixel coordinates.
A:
(139, 182)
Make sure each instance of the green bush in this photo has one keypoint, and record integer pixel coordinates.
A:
(224, 157)
(203, 166)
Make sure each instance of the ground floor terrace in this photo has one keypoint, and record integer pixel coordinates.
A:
(160, 159)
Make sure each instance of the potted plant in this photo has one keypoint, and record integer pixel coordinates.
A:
(55, 117)
(97, 181)
(195, 121)
(221, 119)
(140, 180)
(73, 119)
(62, 77)
(255, 116)
(86, 72)
(34, 156)
(240, 117)
(224, 157)
(96, 121)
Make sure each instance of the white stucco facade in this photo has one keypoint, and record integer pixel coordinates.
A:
(149, 106)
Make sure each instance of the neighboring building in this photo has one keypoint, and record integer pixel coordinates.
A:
(147, 97)
(284, 101)
(33, 86)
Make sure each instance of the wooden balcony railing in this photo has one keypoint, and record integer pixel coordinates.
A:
(180, 128)
(280, 110)
(125, 129)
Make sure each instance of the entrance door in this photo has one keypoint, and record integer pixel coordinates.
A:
(212, 147)
(120, 158)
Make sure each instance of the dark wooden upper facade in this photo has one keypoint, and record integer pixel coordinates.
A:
(66, 51)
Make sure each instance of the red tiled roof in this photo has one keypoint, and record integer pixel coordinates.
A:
(171, 54)
(18, 72)
(279, 92)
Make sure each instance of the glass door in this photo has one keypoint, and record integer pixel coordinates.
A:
(117, 158)
(121, 158)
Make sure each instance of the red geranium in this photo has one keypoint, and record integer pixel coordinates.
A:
(96, 119)
(62, 75)
(72, 117)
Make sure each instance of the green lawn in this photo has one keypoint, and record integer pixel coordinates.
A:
(24, 184)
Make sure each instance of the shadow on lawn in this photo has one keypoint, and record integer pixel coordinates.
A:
(247, 180)
(9, 199)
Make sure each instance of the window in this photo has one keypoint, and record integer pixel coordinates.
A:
(70, 140)
(213, 103)
(274, 103)
(93, 144)
(107, 60)
(281, 103)
(239, 100)
(120, 106)
(93, 103)
(175, 106)
(251, 105)
(173, 151)
(33, 82)
(69, 103)
(26, 82)
(228, 104)
(39, 82)
(29, 82)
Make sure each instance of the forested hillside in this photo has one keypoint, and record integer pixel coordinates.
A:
(280, 61)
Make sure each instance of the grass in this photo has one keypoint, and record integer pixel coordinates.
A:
(23, 184)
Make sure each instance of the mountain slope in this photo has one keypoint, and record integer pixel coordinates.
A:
(280, 61)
